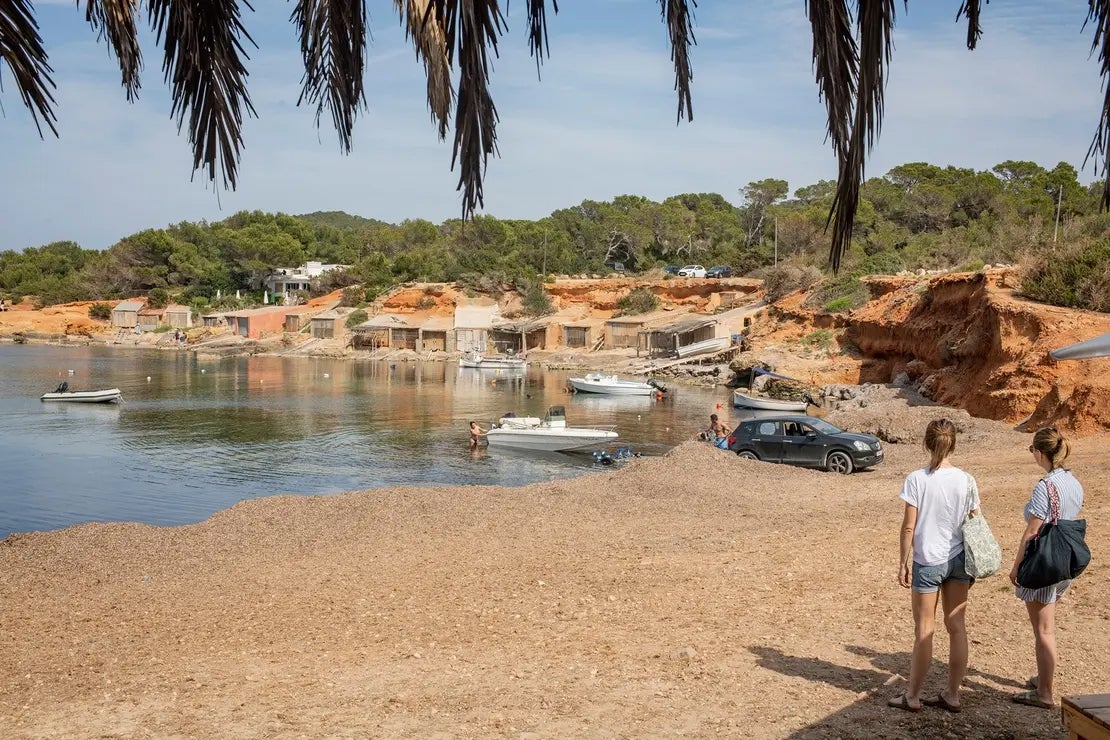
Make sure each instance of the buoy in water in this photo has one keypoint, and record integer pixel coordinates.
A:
(71, 372)
(326, 375)
(203, 371)
(148, 378)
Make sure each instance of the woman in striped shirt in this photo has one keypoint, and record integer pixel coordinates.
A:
(1050, 450)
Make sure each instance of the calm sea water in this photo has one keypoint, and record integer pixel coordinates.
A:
(194, 435)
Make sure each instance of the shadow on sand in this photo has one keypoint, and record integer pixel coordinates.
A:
(988, 711)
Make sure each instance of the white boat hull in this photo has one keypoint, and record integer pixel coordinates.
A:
(612, 386)
(111, 395)
(708, 345)
(493, 363)
(744, 401)
(549, 440)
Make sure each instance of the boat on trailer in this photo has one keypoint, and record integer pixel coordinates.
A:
(64, 394)
(549, 434)
(614, 386)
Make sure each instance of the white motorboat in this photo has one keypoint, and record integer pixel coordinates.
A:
(492, 362)
(758, 403)
(614, 386)
(63, 393)
(549, 434)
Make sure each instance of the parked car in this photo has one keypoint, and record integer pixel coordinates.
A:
(805, 441)
(720, 271)
(671, 269)
(696, 271)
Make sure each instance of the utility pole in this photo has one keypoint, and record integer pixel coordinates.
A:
(1059, 202)
(776, 241)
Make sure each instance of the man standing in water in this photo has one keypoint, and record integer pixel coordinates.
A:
(476, 433)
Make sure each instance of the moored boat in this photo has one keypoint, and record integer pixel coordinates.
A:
(491, 362)
(614, 386)
(549, 434)
(63, 393)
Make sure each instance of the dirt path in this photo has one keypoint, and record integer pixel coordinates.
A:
(695, 594)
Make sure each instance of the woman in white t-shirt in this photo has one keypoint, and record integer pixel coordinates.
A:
(938, 498)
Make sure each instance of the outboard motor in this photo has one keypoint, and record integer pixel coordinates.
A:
(655, 384)
(63, 387)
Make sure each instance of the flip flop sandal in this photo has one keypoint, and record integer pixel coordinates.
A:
(902, 702)
(1030, 699)
(940, 701)
(1032, 683)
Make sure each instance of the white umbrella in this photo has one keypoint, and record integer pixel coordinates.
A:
(1097, 347)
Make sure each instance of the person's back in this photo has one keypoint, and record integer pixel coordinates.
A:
(941, 498)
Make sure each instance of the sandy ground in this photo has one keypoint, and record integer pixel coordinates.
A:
(694, 594)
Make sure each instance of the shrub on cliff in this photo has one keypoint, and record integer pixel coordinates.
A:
(354, 318)
(786, 278)
(638, 300)
(536, 302)
(100, 311)
(158, 298)
(1076, 277)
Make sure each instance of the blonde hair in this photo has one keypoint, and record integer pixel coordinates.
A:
(1052, 445)
(940, 441)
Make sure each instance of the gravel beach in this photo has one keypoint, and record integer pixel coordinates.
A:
(694, 594)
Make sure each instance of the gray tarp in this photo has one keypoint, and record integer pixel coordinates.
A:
(1097, 347)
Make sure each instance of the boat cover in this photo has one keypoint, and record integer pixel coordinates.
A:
(1097, 347)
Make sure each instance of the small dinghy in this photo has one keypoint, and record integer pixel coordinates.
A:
(63, 393)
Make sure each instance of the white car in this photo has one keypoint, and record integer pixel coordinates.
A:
(695, 271)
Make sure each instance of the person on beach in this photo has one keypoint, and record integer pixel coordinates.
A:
(932, 563)
(476, 433)
(716, 430)
(1050, 450)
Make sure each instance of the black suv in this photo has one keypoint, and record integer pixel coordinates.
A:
(805, 441)
(720, 271)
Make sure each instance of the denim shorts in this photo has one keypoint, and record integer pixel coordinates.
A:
(927, 579)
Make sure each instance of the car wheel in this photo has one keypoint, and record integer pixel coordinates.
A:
(839, 462)
(747, 455)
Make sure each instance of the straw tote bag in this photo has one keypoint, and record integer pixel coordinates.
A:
(982, 553)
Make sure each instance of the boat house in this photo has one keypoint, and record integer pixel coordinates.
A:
(434, 334)
(688, 336)
(150, 318)
(126, 314)
(519, 336)
(624, 331)
(472, 325)
(256, 322)
(385, 330)
(177, 316)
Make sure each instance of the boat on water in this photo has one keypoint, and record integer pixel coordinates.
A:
(492, 362)
(549, 434)
(64, 394)
(759, 403)
(614, 386)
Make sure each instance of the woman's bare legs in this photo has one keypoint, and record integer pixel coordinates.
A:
(924, 625)
(954, 596)
(1043, 619)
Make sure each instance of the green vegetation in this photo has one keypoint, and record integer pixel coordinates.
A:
(536, 302)
(821, 339)
(100, 311)
(356, 317)
(917, 216)
(638, 300)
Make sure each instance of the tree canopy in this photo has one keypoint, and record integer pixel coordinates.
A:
(204, 60)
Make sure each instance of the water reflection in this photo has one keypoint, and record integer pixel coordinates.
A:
(196, 434)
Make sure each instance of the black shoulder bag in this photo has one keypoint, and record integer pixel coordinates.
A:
(1058, 552)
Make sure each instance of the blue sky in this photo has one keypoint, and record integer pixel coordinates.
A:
(600, 123)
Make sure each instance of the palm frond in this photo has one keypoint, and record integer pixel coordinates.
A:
(970, 9)
(115, 20)
(1099, 12)
(537, 29)
(836, 62)
(429, 39)
(679, 18)
(475, 25)
(203, 65)
(875, 20)
(22, 50)
(333, 47)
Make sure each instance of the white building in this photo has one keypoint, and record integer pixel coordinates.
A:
(286, 280)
